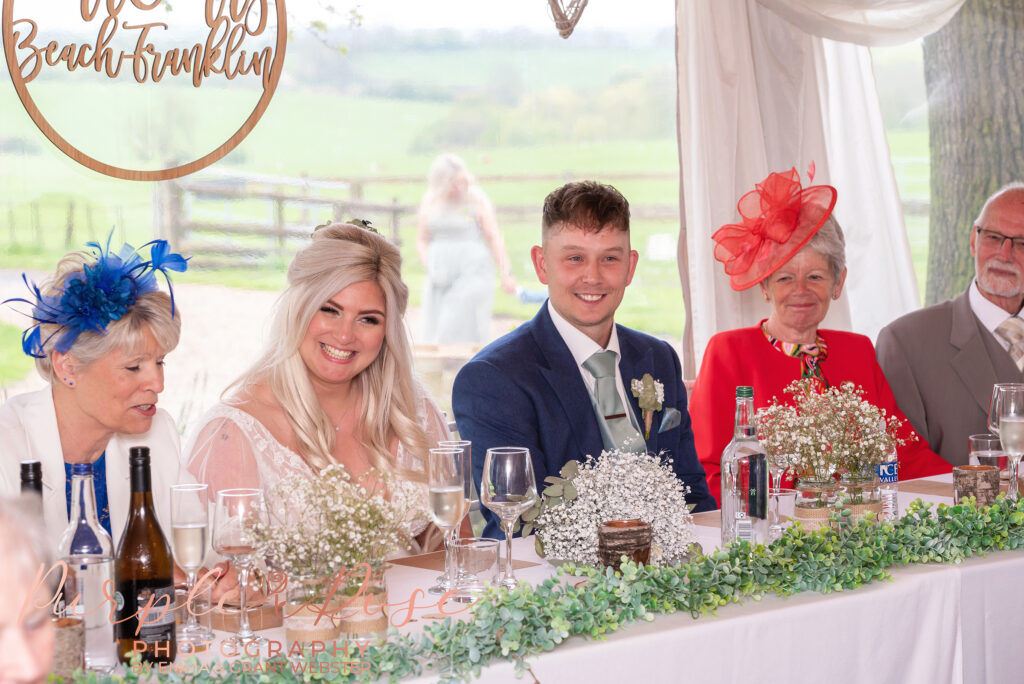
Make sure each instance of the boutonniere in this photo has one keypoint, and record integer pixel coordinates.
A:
(650, 394)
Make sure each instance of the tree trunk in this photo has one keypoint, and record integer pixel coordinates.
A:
(974, 74)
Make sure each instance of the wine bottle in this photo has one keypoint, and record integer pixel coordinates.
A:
(32, 488)
(86, 548)
(144, 576)
(32, 477)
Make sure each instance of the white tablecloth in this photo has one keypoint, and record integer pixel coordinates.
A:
(932, 623)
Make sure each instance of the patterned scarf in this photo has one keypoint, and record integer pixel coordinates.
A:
(810, 355)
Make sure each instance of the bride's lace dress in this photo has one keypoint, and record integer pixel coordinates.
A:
(233, 449)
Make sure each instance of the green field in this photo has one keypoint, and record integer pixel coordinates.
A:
(320, 132)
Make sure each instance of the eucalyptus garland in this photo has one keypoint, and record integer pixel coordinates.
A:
(516, 625)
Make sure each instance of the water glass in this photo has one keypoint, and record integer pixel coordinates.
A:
(781, 512)
(986, 449)
(477, 559)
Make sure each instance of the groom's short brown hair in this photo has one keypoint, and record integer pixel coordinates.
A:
(588, 205)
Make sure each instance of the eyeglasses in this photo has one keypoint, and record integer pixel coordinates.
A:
(994, 240)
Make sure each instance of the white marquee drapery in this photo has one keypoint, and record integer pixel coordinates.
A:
(766, 85)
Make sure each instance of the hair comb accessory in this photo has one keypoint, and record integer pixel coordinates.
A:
(779, 217)
(99, 293)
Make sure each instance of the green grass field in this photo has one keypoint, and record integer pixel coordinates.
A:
(322, 134)
(13, 366)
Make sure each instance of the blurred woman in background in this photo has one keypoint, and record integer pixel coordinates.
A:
(459, 244)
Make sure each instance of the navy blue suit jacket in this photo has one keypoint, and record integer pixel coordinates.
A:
(525, 389)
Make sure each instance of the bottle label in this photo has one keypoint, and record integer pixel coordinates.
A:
(757, 487)
(151, 613)
(888, 472)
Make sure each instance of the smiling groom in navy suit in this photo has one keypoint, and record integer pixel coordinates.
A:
(559, 384)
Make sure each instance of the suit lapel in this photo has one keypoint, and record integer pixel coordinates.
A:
(634, 363)
(971, 362)
(566, 385)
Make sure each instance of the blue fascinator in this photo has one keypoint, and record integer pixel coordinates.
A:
(100, 293)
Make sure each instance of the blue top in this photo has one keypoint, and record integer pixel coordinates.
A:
(99, 486)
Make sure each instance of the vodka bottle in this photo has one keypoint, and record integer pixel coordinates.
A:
(744, 477)
(86, 548)
(144, 575)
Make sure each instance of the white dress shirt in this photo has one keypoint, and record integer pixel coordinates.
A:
(582, 348)
(990, 315)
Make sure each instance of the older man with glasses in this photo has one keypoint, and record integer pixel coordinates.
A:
(942, 361)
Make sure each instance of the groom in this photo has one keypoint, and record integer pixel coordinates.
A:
(560, 384)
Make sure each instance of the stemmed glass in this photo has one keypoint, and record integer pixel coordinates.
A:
(1006, 411)
(993, 404)
(233, 519)
(190, 522)
(508, 488)
(778, 464)
(447, 479)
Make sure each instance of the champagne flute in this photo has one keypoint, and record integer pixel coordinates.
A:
(441, 585)
(508, 489)
(1009, 405)
(236, 512)
(190, 521)
(446, 478)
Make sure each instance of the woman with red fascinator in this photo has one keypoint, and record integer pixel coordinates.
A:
(789, 244)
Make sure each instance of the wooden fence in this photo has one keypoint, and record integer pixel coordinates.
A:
(241, 220)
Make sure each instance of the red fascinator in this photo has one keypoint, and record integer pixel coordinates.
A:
(779, 216)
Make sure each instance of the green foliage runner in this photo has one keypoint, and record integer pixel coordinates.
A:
(532, 619)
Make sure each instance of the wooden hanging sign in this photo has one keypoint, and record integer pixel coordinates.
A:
(225, 54)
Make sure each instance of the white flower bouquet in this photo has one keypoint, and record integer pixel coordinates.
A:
(328, 523)
(828, 432)
(616, 485)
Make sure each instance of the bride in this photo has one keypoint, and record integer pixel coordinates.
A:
(334, 384)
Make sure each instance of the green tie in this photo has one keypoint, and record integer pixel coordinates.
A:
(602, 366)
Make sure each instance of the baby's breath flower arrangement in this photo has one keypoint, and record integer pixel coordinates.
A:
(614, 486)
(329, 522)
(829, 431)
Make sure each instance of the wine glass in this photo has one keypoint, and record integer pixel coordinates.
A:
(233, 519)
(447, 479)
(778, 463)
(1007, 407)
(508, 489)
(993, 404)
(190, 521)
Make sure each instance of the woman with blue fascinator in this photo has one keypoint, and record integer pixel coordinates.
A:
(101, 329)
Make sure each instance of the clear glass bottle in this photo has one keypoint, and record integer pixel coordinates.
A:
(888, 477)
(89, 553)
(744, 478)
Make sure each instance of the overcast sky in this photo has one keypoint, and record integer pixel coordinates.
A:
(493, 14)
(404, 14)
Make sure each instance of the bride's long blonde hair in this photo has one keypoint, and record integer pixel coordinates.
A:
(342, 254)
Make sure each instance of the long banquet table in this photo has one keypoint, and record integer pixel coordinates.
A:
(931, 623)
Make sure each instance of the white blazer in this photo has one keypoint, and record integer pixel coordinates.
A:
(28, 431)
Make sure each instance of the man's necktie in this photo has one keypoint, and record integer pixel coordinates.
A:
(602, 366)
(1012, 330)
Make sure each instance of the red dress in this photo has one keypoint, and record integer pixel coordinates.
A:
(745, 357)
